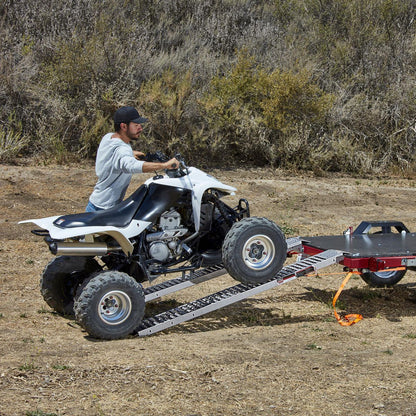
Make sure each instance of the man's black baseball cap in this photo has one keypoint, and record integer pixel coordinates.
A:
(128, 114)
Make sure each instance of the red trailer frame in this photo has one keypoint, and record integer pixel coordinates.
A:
(392, 245)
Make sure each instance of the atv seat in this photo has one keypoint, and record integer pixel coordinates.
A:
(117, 216)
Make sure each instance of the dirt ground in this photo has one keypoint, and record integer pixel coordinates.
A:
(279, 353)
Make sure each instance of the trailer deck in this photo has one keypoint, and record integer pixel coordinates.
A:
(378, 251)
(391, 247)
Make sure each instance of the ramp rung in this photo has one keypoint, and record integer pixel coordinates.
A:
(234, 294)
(174, 285)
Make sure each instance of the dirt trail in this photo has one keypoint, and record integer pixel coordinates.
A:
(279, 353)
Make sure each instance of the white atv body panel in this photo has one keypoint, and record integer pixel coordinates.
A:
(133, 229)
(198, 182)
(121, 234)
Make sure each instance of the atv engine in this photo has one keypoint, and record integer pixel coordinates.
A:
(164, 244)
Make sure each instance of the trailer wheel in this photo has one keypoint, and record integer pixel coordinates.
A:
(254, 250)
(110, 305)
(383, 279)
(60, 280)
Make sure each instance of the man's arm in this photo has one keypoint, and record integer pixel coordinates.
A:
(155, 166)
(130, 164)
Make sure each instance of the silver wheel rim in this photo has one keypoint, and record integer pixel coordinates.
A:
(385, 275)
(258, 252)
(114, 307)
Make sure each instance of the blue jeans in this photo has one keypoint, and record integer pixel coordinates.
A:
(92, 208)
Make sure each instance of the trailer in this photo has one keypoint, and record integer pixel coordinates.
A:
(380, 251)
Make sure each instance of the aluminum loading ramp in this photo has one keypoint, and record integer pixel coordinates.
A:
(227, 296)
(202, 275)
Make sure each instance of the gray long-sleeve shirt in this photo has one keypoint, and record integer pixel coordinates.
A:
(114, 166)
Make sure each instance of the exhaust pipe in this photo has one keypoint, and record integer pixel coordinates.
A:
(81, 249)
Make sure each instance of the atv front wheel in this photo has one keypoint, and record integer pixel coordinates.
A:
(254, 250)
(110, 305)
(60, 280)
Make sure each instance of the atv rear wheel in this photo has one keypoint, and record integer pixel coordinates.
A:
(60, 280)
(110, 305)
(254, 250)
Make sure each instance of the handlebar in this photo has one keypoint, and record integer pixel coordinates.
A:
(161, 157)
(182, 163)
(176, 171)
(155, 157)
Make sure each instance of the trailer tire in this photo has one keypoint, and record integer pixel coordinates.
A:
(61, 278)
(110, 305)
(254, 250)
(384, 278)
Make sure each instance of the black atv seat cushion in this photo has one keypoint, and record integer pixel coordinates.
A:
(117, 216)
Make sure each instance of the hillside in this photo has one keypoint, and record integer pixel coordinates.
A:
(300, 84)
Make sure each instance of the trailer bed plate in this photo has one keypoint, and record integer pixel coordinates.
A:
(366, 245)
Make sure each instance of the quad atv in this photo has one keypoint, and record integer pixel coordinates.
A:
(173, 223)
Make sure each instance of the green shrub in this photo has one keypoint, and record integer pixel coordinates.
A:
(253, 113)
(169, 102)
(291, 99)
(230, 109)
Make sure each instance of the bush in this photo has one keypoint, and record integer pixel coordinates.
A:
(235, 129)
(255, 113)
(169, 101)
(239, 81)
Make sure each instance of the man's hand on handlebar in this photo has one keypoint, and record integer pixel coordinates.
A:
(171, 164)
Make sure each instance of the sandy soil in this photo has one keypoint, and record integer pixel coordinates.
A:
(279, 353)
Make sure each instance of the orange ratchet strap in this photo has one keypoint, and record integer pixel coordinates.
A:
(353, 318)
(349, 319)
